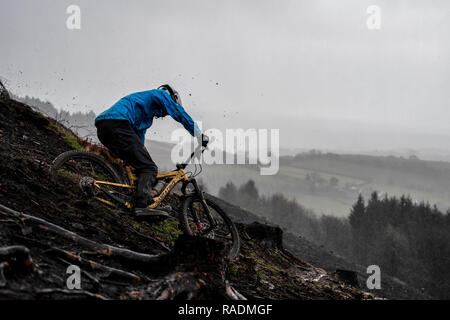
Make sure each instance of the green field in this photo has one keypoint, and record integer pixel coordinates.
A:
(427, 181)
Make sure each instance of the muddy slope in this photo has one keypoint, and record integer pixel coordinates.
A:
(391, 288)
(44, 228)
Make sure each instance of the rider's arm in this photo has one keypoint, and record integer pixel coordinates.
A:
(178, 114)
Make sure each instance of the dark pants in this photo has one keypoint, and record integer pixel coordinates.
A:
(123, 142)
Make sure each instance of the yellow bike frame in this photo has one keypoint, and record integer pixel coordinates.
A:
(178, 175)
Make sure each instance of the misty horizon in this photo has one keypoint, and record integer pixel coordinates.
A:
(311, 69)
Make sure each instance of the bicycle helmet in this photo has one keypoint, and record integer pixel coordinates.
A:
(172, 92)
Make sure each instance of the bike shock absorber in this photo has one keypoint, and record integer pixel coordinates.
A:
(199, 226)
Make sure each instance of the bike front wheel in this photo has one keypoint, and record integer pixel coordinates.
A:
(195, 221)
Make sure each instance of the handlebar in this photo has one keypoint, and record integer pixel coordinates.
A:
(200, 146)
(185, 164)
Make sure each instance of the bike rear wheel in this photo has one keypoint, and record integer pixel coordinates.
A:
(78, 169)
(225, 230)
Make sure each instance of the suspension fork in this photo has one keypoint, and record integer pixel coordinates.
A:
(201, 196)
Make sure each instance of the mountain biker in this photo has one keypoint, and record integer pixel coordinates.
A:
(122, 128)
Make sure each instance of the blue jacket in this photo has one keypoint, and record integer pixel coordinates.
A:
(141, 107)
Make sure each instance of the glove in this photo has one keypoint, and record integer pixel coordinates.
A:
(205, 140)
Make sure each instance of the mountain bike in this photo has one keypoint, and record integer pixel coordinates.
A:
(113, 183)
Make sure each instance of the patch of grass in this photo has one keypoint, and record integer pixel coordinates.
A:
(235, 269)
(168, 231)
(73, 143)
(269, 266)
(55, 127)
(265, 264)
(261, 275)
(100, 176)
(67, 175)
(68, 136)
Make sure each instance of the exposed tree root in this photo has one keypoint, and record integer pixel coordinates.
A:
(103, 249)
(10, 294)
(193, 270)
(3, 265)
(108, 272)
(232, 293)
(180, 285)
(43, 293)
(192, 285)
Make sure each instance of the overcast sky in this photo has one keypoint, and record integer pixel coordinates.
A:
(310, 68)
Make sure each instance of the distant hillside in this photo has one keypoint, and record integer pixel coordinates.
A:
(408, 241)
(330, 183)
(82, 123)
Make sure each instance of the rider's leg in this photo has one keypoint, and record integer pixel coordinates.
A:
(121, 139)
(144, 187)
